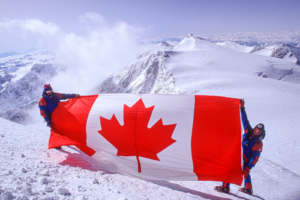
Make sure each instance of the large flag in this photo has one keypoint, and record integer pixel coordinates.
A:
(161, 137)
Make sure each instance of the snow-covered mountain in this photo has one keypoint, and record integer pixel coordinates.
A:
(237, 47)
(24, 93)
(166, 46)
(269, 85)
(21, 77)
(18, 65)
(173, 71)
(283, 51)
(193, 43)
(27, 88)
(145, 75)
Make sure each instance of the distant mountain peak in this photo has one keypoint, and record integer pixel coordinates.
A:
(191, 35)
(165, 44)
(193, 43)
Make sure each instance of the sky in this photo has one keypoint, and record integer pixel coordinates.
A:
(153, 19)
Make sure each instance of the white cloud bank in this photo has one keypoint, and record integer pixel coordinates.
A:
(90, 57)
(276, 37)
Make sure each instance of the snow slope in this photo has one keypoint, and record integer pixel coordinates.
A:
(270, 87)
(283, 51)
(195, 62)
(235, 46)
(29, 171)
(192, 43)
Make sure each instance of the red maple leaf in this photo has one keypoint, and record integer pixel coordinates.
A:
(134, 138)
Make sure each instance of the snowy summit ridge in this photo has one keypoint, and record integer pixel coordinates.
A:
(192, 43)
(162, 71)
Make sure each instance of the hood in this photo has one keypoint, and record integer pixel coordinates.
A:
(46, 88)
(263, 131)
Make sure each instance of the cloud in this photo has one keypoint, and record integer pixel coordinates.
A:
(89, 17)
(35, 26)
(90, 57)
(20, 35)
(276, 37)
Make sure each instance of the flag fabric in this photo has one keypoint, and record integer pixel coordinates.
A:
(158, 137)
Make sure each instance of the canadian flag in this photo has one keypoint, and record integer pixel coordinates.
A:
(161, 137)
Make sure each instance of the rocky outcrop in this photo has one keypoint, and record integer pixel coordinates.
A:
(146, 75)
(20, 114)
(283, 51)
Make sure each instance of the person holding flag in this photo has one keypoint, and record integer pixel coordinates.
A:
(49, 102)
(252, 148)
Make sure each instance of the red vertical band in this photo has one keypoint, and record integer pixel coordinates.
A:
(216, 139)
(69, 123)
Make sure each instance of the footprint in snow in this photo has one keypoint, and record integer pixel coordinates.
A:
(48, 189)
(27, 191)
(7, 195)
(43, 181)
(24, 170)
(64, 191)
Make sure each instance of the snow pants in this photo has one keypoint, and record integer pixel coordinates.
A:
(247, 180)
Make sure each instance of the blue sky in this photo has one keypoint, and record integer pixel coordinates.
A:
(158, 18)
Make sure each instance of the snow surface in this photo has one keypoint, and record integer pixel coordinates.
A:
(235, 46)
(283, 51)
(29, 171)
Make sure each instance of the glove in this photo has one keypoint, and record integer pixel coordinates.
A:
(242, 102)
(49, 124)
(246, 172)
(77, 96)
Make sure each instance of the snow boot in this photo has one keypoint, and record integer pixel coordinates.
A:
(246, 191)
(222, 189)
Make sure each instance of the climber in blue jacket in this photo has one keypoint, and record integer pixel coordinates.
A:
(50, 101)
(252, 148)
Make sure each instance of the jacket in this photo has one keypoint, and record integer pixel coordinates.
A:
(47, 105)
(252, 146)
